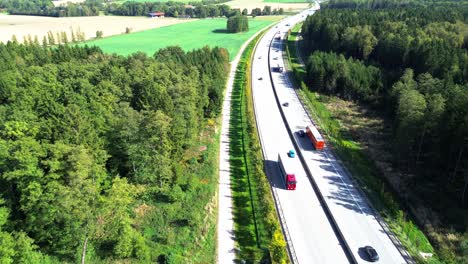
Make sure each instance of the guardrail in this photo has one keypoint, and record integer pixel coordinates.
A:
(404, 253)
(284, 226)
(332, 220)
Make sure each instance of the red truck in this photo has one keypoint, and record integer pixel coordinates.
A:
(315, 137)
(285, 164)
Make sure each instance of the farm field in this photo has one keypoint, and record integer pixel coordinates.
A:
(288, 5)
(22, 26)
(251, 4)
(189, 36)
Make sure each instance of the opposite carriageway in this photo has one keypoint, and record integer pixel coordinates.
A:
(355, 221)
(311, 236)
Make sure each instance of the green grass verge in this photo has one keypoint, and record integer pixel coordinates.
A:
(189, 36)
(360, 165)
(257, 228)
(294, 64)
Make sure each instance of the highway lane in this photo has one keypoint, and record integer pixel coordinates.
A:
(354, 216)
(310, 236)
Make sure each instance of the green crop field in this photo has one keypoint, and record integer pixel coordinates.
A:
(188, 36)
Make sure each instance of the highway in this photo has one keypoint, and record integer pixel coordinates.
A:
(311, 237)
(336, 232)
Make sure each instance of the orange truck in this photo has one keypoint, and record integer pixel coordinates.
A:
(315, 137)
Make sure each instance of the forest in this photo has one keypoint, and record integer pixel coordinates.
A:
(175, 9)
(410, 63)
(99, 154)
(47, 8)
(203, 9)
(378, 4)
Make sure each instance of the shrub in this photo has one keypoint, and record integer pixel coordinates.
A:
(237, 24)
(99, 34)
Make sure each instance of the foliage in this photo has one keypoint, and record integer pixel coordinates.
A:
(47, 8)
(237, 24)
(425, 46)
(93, 152)
(198, 9)
(378, 4)
(175, 9)
(334, 74)
(420, 56)
(257, 226)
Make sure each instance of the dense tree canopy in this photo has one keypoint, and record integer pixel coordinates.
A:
(237, 24)
(408, 60)
(47, 8)
(86, 138)
(412, 64)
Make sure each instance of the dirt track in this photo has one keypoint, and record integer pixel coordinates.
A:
(22, 26)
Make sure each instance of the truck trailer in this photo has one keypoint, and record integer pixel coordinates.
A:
(286, 168)
(315, 137)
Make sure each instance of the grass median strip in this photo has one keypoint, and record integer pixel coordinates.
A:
(257, 229)
(361, 166)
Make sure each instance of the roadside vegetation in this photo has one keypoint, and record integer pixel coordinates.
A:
(257, 229)
(354, 156)
(288, 1)
(107, 158)
(401, 125)
(195, 9)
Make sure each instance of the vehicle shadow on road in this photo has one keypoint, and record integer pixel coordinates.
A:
(274, 175)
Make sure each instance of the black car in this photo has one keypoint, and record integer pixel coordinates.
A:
(371, 253)
(261, 78)
(301, 133)
(286, 104)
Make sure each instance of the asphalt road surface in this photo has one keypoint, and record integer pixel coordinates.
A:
(311, 238)
(310, 232)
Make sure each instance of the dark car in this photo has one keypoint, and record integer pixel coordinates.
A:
(371, 253)
(301, 133)
(286, 104)
(261, 78)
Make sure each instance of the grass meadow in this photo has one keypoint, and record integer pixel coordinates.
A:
(188, 36)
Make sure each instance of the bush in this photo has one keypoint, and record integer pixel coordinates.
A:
(237, 24)
(277, 248)
(99, 34)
